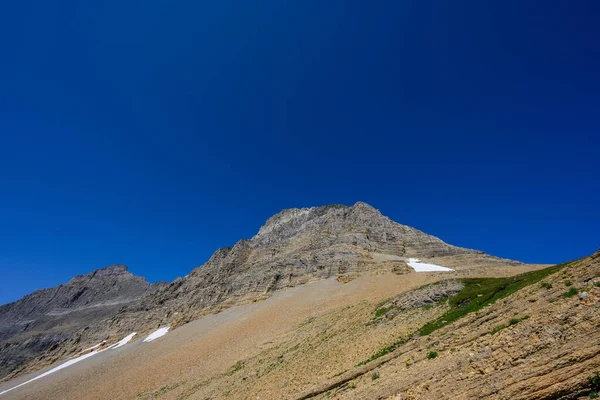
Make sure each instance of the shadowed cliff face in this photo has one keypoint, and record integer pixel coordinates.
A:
(294, 246)
(47, 318)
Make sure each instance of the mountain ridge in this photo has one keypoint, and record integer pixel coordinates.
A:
(47, 317)
(293, 247)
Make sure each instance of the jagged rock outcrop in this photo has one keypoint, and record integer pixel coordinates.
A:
(48, 318)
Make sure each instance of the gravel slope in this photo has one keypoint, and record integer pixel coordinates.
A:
(201, 358)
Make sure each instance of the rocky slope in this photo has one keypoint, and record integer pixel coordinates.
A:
(272, 349)
(49, 318)
(294, 247)
(533, 336)
(541, 342)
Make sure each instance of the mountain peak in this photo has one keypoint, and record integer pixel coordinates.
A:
(294, 218)
(291, 217)
(298, 245)
(48, 317)
(362, 204)
(113, 270)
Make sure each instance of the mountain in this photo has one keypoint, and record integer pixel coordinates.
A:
(49, 318)
(294, 247)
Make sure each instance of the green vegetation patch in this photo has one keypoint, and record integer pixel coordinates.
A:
(238, 366)
(477, 293)
(382, 352)
(432, 354)
(572, 292)
(497, 329)
(480, 292)
(594, 385)
(513, 321)
(340, 373)
(381, 311)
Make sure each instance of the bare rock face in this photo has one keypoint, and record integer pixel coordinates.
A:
(424, 296)
(48, 318)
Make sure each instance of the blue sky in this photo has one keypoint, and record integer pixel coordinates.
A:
(151, 133)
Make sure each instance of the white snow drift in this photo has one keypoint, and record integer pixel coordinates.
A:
(123, 341)
(72, 361)
(157, 333)
(53, 370)
(418, 266)
(92, 348)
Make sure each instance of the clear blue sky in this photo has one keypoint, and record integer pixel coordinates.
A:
(152, 132)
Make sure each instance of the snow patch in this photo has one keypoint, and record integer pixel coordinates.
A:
(418, 266)
(157, 333)
(93, 347)
(53, 370)
(123, 341)
(72, 361)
